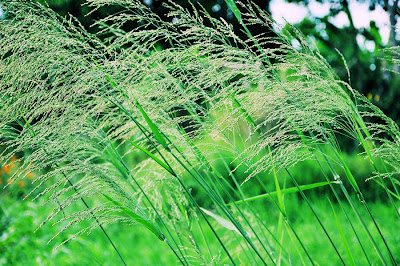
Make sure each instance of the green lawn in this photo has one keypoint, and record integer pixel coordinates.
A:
(140, 247)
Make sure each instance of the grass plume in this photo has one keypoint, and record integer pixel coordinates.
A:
(173, 140)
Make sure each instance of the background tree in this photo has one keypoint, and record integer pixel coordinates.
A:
(370, 74)
(216, 8)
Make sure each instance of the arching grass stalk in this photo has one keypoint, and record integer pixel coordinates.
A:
(349, 254)
(218, 176)
(159, 137)
(280, 198)
(77, 192)
(356, 121)
(334, 190)
(238, 15)
(325, 231)
(244, 200)
(137, 218)
(181, 258)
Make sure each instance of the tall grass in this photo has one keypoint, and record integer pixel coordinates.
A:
(195, 143)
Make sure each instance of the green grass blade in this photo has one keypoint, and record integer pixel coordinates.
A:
(149, 122)
(391, 192)
(233, 7)
(346, 245)
(295, 244)
(153, 127)
(222, 221)
(245, 113)
(75, 189)
(146, 223)
(108, 78)
(152, 156)
(284, 191)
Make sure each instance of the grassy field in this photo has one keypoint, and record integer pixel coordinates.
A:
(138, 246)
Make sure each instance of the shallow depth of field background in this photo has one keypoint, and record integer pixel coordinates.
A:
(361, 48)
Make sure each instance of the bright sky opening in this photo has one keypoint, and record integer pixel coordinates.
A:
(361, 15)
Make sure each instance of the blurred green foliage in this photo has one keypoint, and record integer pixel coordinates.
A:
(217, 8)
(19, 246)
(370, 74)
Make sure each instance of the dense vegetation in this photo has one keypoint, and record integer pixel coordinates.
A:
(217, 149)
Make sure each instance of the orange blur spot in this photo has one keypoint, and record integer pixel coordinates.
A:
(21, 183)
(8, 168)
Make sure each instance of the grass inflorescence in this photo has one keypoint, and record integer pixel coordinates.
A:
(200, 145)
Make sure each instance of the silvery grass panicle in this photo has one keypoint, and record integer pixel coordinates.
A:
(170, 139)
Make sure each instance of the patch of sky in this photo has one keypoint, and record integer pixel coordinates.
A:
(1, 13)
(292, 13)
(296, 44)
(364, 43)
